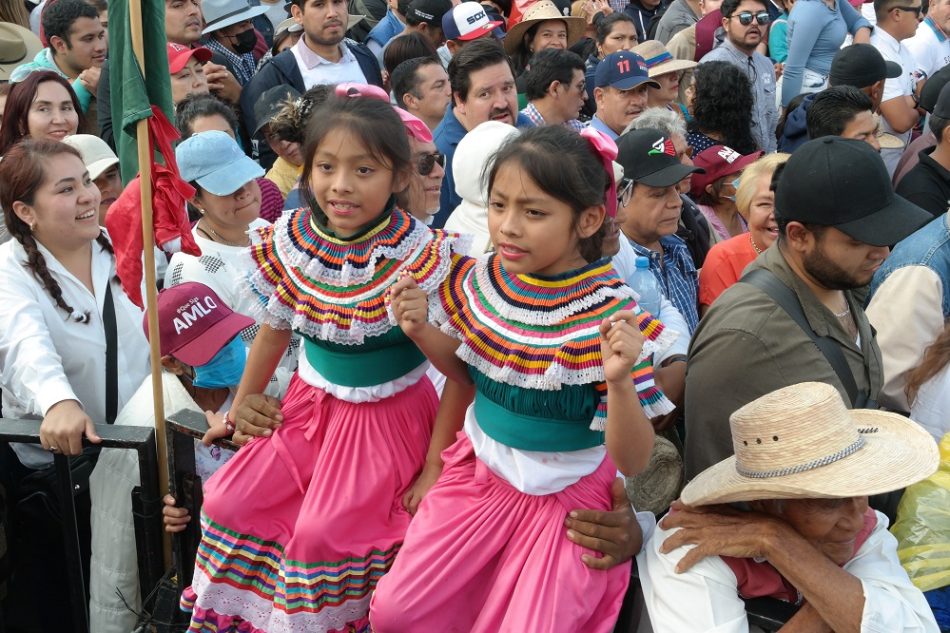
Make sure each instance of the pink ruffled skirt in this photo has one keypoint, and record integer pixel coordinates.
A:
(483, 557)
(298, 528)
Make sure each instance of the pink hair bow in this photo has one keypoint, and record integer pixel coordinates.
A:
(415, 128)
(606, 150)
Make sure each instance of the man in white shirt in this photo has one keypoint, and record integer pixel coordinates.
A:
(897, 21)
(931, 45)
(803, 467)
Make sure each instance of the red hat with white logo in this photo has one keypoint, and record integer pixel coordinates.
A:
(467, 21)
(194, 323)
(179, 55)
(719, 161)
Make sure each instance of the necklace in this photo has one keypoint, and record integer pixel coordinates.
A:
(210, 232)
(755, 247)
(846, 312)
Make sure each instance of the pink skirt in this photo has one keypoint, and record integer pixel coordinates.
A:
(482, 557)
(298, 528)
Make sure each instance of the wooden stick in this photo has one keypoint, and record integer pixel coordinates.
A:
(151, 293)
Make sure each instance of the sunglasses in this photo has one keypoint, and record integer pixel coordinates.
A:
(745, 18)
(917, 10)
(426, 163)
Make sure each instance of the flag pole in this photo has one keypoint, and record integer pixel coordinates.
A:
(148, 248)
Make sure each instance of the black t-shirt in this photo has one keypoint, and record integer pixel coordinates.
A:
(927, 185)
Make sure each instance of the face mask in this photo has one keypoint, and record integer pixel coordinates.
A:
(735, 187)
(245, 41)
(225, 369)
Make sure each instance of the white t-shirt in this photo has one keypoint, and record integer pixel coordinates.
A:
(930, 48)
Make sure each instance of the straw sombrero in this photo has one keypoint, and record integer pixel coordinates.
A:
(659, 60)
(540, 12)
(801, 442)
(885, 139)
(18, 45)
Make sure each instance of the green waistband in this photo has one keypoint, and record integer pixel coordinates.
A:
(359, 367)
(529, 433)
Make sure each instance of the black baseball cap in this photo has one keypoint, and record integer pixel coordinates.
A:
(271, 102)
(429, 11)
(929, 96)
(648, 156)
(861, 65)
(839, 182)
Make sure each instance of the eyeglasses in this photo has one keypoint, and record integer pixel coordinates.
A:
(625, 192)
(916, 9)
(745, 18)
(426, 162)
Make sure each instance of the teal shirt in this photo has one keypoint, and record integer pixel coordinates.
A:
(44, 61)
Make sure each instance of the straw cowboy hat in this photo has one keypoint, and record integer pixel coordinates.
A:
(540, 12)
(801, 442)
(659, 60)
(18, 45)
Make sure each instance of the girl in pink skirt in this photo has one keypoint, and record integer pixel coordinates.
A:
(298, 528)
(560, 357)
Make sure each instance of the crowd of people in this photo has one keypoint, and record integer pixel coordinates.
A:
(476, 287)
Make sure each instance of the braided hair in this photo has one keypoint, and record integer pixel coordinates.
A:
(22, 172)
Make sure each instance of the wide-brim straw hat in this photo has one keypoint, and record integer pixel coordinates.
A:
(801, 442)
(659, 60)
(541, 12)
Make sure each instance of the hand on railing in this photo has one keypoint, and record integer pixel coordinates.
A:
(63, 428)
(175, 519)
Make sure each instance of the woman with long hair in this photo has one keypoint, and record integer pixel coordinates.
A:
(720, 100)
(42, 106)
(62, 310)
(928, 387)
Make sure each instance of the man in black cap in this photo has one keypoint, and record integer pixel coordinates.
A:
(793, 316)
(928, 183)
(425, 18)
(928, 101)
(863, 66)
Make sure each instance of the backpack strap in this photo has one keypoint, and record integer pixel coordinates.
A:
(785, 297)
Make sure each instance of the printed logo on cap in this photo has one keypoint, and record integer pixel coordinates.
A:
(423, 15)
(193, 311)
(476, 17)
(729, 155)
(663, 146)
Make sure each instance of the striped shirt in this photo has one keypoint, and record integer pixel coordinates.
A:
(675, 271)
(537, 120)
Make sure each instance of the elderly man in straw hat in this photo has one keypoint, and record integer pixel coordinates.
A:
(804, 466)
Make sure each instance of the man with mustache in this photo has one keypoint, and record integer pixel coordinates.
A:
(321, 56)
(483, 89)
(746, 23)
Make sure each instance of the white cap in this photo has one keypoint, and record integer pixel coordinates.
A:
(97, 156)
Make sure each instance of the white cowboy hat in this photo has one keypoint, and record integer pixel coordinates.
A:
(801, 442)
(219, 14)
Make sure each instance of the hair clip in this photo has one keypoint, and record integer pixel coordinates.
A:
(414, 126)
(355, 90)
(606, 150)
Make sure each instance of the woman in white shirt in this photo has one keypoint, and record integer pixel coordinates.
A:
(928, 387)
(57, 280)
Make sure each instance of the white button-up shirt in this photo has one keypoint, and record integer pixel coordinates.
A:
(930, 48)
(901, 86)
(47, 357)
(705, 598)
(317, 70)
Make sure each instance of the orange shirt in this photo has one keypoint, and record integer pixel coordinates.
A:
(723, 266)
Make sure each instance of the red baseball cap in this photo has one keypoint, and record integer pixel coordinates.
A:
(719, 161)
(179, 55)
(194, 323)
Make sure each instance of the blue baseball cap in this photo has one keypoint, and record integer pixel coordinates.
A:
(215, 161)
(623, 70)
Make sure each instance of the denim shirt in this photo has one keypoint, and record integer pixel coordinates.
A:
(761, 73)
(676, 274)
(929, 247)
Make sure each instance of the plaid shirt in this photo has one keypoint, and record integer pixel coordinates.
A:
(676, 272)
(243, 66)
(538, 121)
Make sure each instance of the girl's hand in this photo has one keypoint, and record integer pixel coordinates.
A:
(425, 480)
(218, 428)
(410, 305)
(620, 345)
(63, 427)
(175, 519)
(258, 415)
